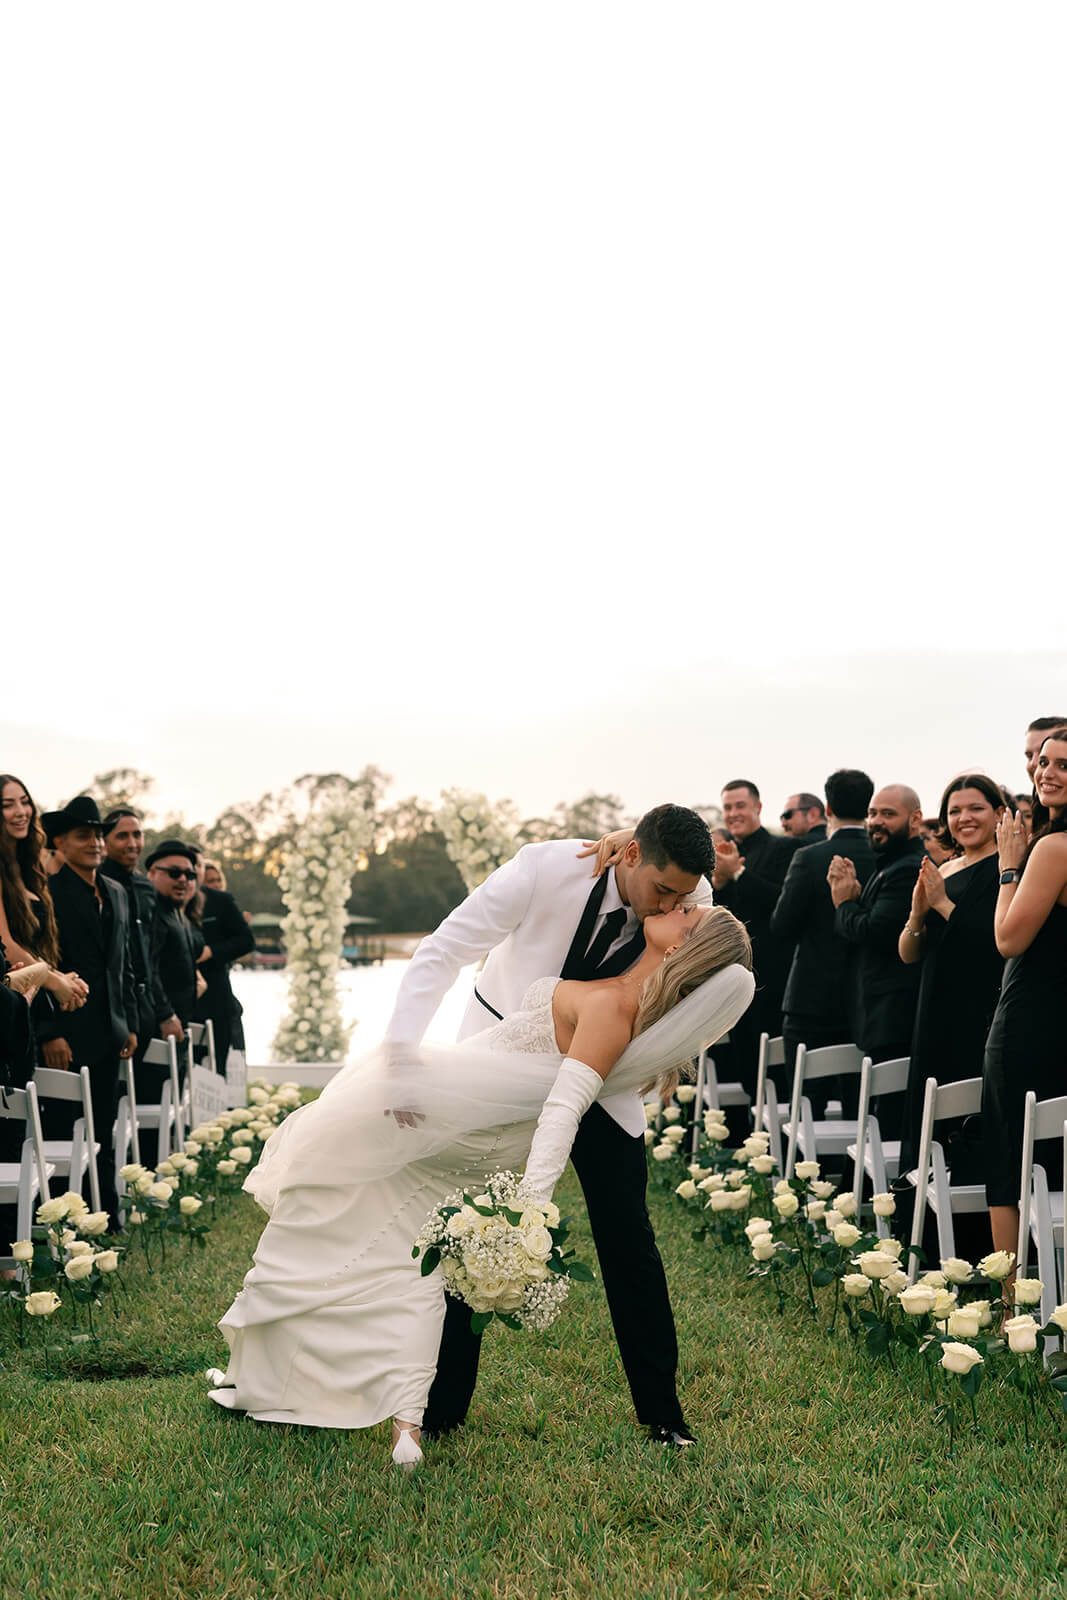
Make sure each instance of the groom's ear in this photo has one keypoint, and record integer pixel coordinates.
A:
(632, 854)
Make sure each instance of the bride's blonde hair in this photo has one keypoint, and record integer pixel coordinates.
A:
(719, 940)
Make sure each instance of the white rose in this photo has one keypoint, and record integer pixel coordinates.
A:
(551, 1211)
(721, 1200)
(884, 1205)
(189, 1205)
(918, 1300)
(80, 1247)
(674, 1133)
(107, 1260)
(227, 1168)
(895, 1282)
(734, 1180)
(696, 1172)
(963, 1323)
(75, 1202)
(741, 1198)
(875, 1265)
(511, 1299)
(763, 1165)
(957, 1270)
(713, 1183)
(168, 1168)
(192, 1147)
(135, 1218)
(846, 1204)
(1059, 1318)
(686, 1190)
(684, 1093)
(815, 1210)
(22, 1250)
(663, 1152)
(650, 1134)
(257, 1096)
(1028, 1291)
(944, 1304)
(537, 1242)
(856, 1284)
(242, 1154)
(652, 1111)
(43, 1303)
(671, 1114)
(78, 1268)
(756, 1226)
(94, 1224)
(143, 1185)
(807, 1169)
(982, 1311)
(846, 1234)
(132, 1170)
(959, 1358)
(890, 1247)
(822, 1189)
(782, 1186)
(997, 1264)
(935, 1279)
(52, 1211)
(159, 1191)
(786, 1205)
(763, 1247)
(242, 1136)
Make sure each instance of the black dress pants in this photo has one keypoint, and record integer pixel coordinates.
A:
(611, 1167)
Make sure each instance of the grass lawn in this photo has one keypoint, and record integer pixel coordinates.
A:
(816, 1473)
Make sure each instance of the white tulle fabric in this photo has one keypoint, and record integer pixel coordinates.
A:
(335, 1326)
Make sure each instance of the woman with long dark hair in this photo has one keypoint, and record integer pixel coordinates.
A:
(950, 930)
(1027, 1046)
(27, 921)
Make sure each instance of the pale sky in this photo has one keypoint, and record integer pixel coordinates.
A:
(531, 399)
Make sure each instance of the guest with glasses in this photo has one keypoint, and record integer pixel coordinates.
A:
(804, 818)
(176, 941)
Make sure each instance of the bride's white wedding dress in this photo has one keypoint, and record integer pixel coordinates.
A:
(335, 1326)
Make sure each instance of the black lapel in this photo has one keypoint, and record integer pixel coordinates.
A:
(574, 965)
(622, 958)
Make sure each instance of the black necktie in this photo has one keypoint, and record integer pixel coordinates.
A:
(604, 940)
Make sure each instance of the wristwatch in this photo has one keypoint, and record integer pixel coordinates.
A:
(1011, 875)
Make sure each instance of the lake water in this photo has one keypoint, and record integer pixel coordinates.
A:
(367, 997)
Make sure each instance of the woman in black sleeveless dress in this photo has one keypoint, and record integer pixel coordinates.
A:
(1027, 1046)
(950, 930)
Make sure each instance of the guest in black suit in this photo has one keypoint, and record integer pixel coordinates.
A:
(804, 818)
(227, 937)
(748, 878)
(815, 1005)
(93, 919)
(869, 917)
(176, 942)
(123, 843)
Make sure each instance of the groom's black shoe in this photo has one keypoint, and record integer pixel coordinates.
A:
(438, 1430)
(675, 1434)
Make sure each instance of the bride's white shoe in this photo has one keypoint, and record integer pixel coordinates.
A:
(406, 1451)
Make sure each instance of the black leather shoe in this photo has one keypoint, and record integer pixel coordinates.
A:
(677, 1435)
(438, 1430)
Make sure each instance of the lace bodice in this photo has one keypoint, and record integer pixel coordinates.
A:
(528, 1031)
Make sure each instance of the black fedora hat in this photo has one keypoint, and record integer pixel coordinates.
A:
(170, 847)
(81, 812)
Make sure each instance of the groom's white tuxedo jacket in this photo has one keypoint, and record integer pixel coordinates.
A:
(523, 919)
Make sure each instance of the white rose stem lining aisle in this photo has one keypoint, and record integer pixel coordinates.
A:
(315, 884)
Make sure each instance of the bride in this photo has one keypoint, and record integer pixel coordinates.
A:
(335, 1326)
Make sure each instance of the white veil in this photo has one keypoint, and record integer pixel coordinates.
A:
(347, 1136)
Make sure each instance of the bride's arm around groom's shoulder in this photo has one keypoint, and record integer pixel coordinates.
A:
(481, 922)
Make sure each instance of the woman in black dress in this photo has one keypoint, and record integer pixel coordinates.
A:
(1027, 1046)
(950, 930)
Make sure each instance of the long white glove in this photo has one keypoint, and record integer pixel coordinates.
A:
(575, 1089)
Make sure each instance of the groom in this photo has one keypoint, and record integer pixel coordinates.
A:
(537, 916)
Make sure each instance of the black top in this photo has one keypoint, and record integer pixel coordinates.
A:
(752, 897)
(94, 942)
(152, 998)
(817, 987)
(16, 1049)
(883, 989)
(176, 943)
(228, 936)
(959, 985)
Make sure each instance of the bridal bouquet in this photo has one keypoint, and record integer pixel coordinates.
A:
(503, 1254)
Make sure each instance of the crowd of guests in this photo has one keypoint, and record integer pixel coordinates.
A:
(98, 957)
(942, 939)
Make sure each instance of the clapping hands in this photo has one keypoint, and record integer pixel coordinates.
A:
(844, 884)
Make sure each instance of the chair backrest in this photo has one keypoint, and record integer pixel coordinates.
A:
(195, 1030)
(832, 1060)
(126, 1132)
(53, 1083)
(1042, 1119)
(771, 1054)
(159, 1052)
(164, 1053)
(56, 1084)
(20, 1105)
(961, 1099)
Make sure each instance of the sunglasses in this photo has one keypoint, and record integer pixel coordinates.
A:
(785, 815)
(178, 872)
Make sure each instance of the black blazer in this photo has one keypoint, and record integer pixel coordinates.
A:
(228, 936)
(884, 990)
(752, 897)
(176, 943)
(152, 1003)
(818, 983)
(95, 943)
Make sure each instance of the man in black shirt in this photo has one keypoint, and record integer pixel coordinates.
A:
(176, 941)
(227, 937)
(123, 843)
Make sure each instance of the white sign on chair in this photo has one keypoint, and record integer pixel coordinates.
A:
(210, 1095)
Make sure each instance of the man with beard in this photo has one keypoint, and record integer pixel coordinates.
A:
(884, 990)
(176, 941)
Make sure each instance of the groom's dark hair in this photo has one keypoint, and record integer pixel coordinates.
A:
(676, 834)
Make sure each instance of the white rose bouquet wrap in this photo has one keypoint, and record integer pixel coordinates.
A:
(503, 1254)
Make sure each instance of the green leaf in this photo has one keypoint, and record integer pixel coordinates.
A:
(821, 1277)
(699, 1233)
(480, 1320)
(1060, 1382)
(556, 1265)
(514, 1217)
(878, 1339)
(581, 1272)
(430, 1260)
(509, 1320)
(970, 1382)
(415, 1251)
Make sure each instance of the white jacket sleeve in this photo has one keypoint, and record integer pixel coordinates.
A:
(483, 921)
(575, 1089)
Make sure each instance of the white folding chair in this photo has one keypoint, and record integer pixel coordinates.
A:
(871, 1154)
(711, 1094)
(1040, 1211)
(74, 1157)
(163, 1115)
(767, 1112)
(817, 1138)
(127, 1144)
(932, 1179)
(196, 1034)
(24, 1181)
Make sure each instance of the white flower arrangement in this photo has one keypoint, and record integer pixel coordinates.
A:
(502, 1253)
(479, 836)
(315, 883)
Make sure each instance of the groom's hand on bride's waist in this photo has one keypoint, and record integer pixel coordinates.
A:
(401, 1056)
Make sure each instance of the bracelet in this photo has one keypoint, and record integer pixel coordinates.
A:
(913, 933)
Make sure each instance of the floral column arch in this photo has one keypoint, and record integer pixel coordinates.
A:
(479, 837)
(315, 884)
